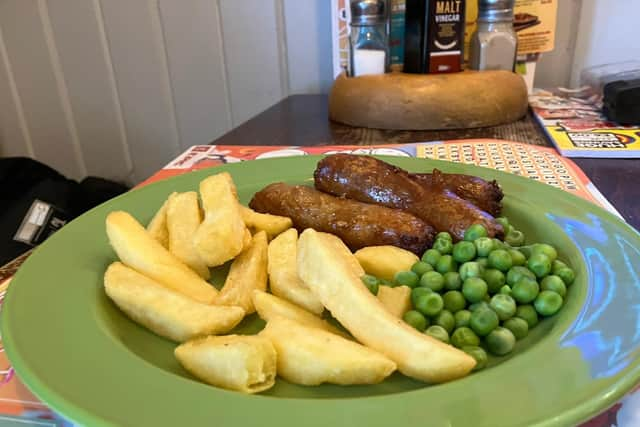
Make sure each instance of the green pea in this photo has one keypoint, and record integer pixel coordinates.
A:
(507, 229)
(452, 281)
(444, 235)
(463, 337)
(479, 305)
(554, 283)
(500, 341)
(419, 292)
(540, 264)
(446, 320)
(406, 278)
(483, 262)
(464, 251)
(543, 248)
(483, 321)
(516, 257)
(470, 269)
(443, 246)
(432, 280)
(445, 264)
(505, 290)
(556, 265)
(431, 257)
(454, 301)
(495, 279)
(529, 314)
(474, 232)
(524, 250)
(525, 291)
(548, 303)
(518, 327)
(503, 221)
(430, 304)
(438, 332)
(484, 246)
(371, 282)
(500, 259)
(421, 267)
(385, 282)
(478, 354)
(474, 289)
(514, 237)
(415, 319)
(504, 306)
(462, 318)
(498, 244)
(518, 272)
(566, 274)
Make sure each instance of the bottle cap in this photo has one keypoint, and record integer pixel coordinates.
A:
(495, 10)
(368, 12)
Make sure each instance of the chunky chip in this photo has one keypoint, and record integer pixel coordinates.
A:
(312, 356)
(328, 272)
(396, 300)
(221, 235)
(235, 362)
(385, 261)
(271, 224)
(157, 227)
(248, 272)
(270, 306)
(138, 250)
(183, 219)
(283, 273)
(163, 311)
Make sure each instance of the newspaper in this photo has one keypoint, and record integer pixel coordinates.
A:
(576, 126)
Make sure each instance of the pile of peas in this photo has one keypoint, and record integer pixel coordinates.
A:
(483, 294)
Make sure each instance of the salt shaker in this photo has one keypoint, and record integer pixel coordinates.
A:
(494, 43)
(369, 39)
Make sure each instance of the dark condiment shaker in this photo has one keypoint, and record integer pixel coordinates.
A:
(434, 36)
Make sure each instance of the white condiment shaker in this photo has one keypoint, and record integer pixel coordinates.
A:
(494, 43)
(369, 38)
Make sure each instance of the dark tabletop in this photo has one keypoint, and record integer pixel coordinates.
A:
(302, 120)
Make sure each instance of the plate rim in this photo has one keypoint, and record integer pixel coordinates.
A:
(584, 410)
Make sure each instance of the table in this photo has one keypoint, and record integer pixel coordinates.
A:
(303, 120)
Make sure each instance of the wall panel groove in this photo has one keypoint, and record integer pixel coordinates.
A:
(63, 92)
(117, 88)
(37, 86)
(115, 95)
(16, 140)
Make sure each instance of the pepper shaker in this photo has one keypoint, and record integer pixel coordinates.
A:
(494, 43)
(369, 39)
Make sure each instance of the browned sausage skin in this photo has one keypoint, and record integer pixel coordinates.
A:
(370, 180)
(486, 195)
(357, 224)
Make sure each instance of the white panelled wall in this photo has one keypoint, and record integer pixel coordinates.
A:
(117, 88)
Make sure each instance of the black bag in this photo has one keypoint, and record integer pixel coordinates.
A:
(36, 201)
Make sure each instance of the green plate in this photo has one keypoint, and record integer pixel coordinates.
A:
(79, 354)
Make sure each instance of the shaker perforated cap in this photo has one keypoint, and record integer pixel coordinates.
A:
(368, 12)
(495, 10)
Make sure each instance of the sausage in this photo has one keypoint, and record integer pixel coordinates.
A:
(486, 195)
(370, 180)
(357, 224)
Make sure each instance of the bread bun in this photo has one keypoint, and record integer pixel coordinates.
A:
(469, 99)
